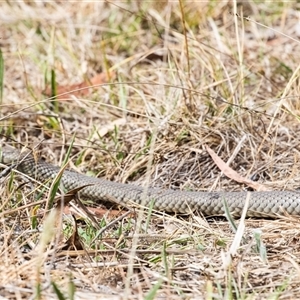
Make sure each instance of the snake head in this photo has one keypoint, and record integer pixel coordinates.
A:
(9, 154)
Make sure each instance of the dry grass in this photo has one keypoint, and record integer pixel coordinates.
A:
(188, 74)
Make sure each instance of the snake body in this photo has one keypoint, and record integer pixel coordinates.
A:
(261, 204)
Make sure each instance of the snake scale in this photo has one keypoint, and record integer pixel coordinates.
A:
(261, 204)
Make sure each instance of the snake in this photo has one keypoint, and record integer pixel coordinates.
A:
(260, 204)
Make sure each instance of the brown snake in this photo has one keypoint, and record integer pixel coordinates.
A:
(261, 204)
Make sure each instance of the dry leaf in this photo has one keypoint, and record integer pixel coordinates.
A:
(109, 127)
(74, 242)
(82, 88)
(230, 173)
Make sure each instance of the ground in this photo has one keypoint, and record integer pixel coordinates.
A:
(141, 92)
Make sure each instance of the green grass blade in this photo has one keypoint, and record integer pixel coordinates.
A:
(152, 293)
(57, 291)
(260, 246)
(56, 184)
(229, 216)
(54, 90)
(149, 214)
(71, 289)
